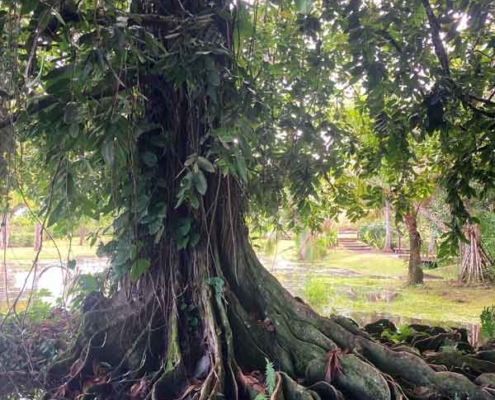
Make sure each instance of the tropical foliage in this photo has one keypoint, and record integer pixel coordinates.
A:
(179, 119)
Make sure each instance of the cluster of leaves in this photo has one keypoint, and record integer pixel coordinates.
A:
(403, 335)
(270, 382)
(306, 100)
(29, 344)
(487, 320)
(83, 285)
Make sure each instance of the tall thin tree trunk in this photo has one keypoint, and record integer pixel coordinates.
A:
(388, 229)
(5, 230)
(38, 237)
(415, 272)
(82, 234)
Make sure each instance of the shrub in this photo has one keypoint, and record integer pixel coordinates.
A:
(317, 292)
(314, 246)
(487, 319)
(21, 239)
(373, 234)
(487, 222)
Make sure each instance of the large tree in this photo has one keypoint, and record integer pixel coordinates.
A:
(174, 116)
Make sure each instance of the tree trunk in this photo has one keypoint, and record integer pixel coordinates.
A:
(388, 228)
(5, 230)
(204, 318)
(38, 237)
(475, 261)
(415, 272)
(82, 235)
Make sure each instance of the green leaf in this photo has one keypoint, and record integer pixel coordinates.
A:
(154, 227)
(149, 158)
(74, 130)
(58, 16)
(214, 77)
(303, 6)
(195, 236)
(182, 242)
(194, 201)
(108, 152)
(28, 5)
(71, 113)
(217, 284)
(205, 164)
(190, 160)
(271, 377)
(241, 167)
(200, 183)
(56, 213)
(184, 226)
(140, 267)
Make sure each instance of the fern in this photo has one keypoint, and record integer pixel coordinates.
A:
(270, 382)
(271, 377)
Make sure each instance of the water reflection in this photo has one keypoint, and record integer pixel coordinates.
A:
(49, 276)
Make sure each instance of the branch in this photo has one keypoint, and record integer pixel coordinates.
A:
(9, 121)
(167, 21)
(444, 62)
(432, 218)
(437, 41)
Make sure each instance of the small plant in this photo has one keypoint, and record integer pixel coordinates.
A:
(487, 319)
(83, 285)
(270, 246)
(402, 335)
(312, 246)
(270, 381)
(39, 309)
(317, 292)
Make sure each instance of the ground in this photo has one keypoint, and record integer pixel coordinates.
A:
(50, 252)
(374, 283)
(360, 284)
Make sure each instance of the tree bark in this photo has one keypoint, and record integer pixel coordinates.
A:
(82, 235)
(388, 228)
(38, 237)
(475, 261)
(415, 272)
(204, 318)
(5, 230)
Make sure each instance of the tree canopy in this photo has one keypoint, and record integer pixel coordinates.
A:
(180, 118)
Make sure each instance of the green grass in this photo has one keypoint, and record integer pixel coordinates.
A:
(437, 301)
(49, 252)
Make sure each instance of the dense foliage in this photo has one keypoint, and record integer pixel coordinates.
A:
(177, 119)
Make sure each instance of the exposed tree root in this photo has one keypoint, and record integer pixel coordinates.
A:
(316, 357)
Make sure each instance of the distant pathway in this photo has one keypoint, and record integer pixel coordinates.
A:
(348, 240)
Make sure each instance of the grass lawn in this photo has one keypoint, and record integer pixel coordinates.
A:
(380, 288)
(61, 249)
